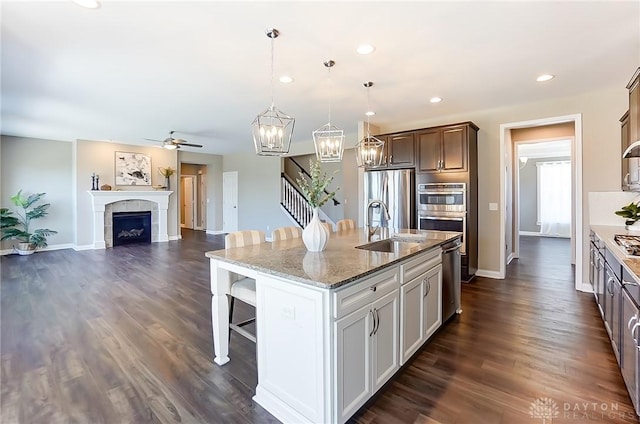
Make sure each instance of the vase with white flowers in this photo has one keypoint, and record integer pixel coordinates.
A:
(315, 235)
(166, 173)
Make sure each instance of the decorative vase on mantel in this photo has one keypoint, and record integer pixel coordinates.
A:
(314, 235)
(166, 183)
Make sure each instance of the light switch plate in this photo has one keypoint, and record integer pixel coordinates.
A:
(493, 206)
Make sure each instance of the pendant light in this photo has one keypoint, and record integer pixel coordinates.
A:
(328, 139)
(272, 129)
(369, 151)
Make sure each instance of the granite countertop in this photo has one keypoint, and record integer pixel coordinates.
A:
(340, 262)
(606, 234)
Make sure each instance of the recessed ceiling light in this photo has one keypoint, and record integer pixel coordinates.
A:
(89, 4)
(370, 113)
(435, 99)
(365, 49)
(545, 77)
(286, 79)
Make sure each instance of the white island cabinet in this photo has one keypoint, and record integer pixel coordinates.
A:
(332, 327)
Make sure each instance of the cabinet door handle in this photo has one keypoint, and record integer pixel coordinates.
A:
(629, 283)
(609, 287)
(373, 289)
(377, 321)
(633, 318)
(373, 318)
(633, 331)
(425, 281)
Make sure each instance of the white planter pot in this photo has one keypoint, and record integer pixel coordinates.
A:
(314, 235)
(634, 228)
(24, 248)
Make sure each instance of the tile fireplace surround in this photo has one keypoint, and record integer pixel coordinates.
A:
(100, 200)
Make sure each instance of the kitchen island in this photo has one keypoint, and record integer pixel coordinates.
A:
(332, 326)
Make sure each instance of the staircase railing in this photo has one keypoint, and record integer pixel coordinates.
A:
(295, 203)
(306, 173)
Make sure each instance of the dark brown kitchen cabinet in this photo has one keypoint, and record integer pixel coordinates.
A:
(630, 124)
(444, 149)
(400, 150)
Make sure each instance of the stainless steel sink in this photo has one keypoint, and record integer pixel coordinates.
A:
(388, 245)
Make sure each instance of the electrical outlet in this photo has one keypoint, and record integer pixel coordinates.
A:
(289, 312)
(493, 206)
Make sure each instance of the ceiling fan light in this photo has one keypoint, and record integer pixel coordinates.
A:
(169, 145)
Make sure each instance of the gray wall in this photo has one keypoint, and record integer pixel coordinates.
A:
(258, 191)
(37, 166)
(529, 193)
(213, 185)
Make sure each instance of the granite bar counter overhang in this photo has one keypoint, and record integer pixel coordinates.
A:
(339, 264)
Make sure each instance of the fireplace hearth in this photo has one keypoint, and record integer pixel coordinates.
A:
(131, 227)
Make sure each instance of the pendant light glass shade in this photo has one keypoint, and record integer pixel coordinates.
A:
(328, 139)
(370, 150)
(272, 129)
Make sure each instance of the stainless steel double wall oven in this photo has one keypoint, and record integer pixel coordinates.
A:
(444, 206)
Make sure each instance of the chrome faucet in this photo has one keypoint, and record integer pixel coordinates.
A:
(386, 215)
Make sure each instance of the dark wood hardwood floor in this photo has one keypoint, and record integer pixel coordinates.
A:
(124, 335)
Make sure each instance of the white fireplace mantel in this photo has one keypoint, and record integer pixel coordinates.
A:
(100, 199)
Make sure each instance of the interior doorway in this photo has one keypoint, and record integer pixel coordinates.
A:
(187, 201)
(543, 191)
(508, 161)
(193, 196)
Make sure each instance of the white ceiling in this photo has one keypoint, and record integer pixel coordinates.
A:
(135, 70)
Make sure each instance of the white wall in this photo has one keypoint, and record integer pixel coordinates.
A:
(40, 166)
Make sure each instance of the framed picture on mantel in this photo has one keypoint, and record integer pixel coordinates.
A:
(133, 169)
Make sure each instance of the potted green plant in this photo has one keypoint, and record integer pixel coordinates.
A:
(631, 214)
(16, 227)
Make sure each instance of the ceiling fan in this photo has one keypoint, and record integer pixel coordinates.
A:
(174, 143)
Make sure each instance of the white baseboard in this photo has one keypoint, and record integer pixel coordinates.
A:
(173, 238)
(214, 232)
(78, 248)
(534, 234)
(509, 258)
(489, 274)
(44, 249)
(530, 233)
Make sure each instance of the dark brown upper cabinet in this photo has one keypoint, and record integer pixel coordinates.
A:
(400, 151)
(443, 149)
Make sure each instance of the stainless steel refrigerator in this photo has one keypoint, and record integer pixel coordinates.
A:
(396, 189)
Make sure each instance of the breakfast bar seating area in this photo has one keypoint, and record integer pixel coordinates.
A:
(356, 312)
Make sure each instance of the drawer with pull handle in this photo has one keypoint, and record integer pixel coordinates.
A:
(417, 266)
(368, 290)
